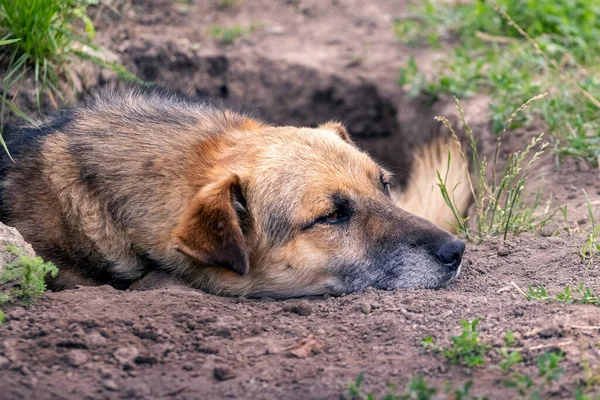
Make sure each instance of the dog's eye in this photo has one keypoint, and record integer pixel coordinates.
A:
(342, 213)
(386, 185)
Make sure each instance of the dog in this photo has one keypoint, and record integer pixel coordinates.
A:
(139, 182)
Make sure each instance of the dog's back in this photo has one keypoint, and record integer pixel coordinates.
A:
(71, 178)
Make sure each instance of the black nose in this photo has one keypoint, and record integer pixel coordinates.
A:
(450, 253)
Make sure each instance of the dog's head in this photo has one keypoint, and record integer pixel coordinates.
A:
(299, 211)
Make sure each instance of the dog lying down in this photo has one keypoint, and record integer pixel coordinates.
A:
(138, 183)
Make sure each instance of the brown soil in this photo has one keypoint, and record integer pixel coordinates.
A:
(308, 61)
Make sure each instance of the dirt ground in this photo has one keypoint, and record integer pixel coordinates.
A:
(305, 63)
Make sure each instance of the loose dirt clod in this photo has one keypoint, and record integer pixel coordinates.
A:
(126, 355)
(223, 373)
(111, 385)
(75, 358)
(304, 347)
(304, 308)
(365, 308)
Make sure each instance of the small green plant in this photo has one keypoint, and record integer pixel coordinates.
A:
(509, 358)
(229, 35)
(537, 293)
(417, 389)
(590, 248)
(466, 349)
(499, 200)
(566, 296)
(26, 276)
(586, 296)
(226, 3)
(548, 370)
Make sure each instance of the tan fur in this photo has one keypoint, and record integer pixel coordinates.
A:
(422, 195)
(138, 184)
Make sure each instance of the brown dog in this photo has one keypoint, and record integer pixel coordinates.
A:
(145, 181)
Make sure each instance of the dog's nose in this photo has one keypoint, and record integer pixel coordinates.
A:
(450, 253)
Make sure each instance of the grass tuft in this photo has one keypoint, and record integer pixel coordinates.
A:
(591, 247)
(51, 34)
(25, 278)
(466, 349)
(500, 207)
(512, 50)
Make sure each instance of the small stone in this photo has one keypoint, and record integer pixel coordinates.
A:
(126, 355)
(257, 329)
(111, 385)
(503, 251)
(304, 308)
(105, 372)
(75, 358)
(550, 330)
(223, 373)
(138, 390)
(149, 360)
(365, 308)
(4, 362)
(95, 339)
(188, 367)
(224, 332)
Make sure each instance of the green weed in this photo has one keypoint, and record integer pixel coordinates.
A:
(536, 293)
(466, 349)
(26, 276)
(418, 389)
(513, 50)
(499, 199)
(585, 295)
(229, 35)
(590, 248)
(509, 358)
(227, 3)
(548, 370)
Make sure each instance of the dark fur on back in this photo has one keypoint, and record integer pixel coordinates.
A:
(82, 133)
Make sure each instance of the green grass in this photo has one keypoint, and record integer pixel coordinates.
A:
(466, 349)
(500, 204)
(51, 33)
(549, 370)
(583, 295)
(418, 388)
(228, 35)
(227, 3)
(25, 278)
(590, 247)
(514, 50)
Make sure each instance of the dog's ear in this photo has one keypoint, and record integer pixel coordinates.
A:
(338, 128)
(209, 229)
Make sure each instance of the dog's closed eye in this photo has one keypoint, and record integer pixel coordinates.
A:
(342, 212)
(386, 183)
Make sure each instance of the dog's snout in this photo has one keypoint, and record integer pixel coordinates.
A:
(450, 253)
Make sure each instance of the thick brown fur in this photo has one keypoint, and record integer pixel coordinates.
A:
(142, 181)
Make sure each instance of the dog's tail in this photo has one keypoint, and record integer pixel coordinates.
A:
(422, 195)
